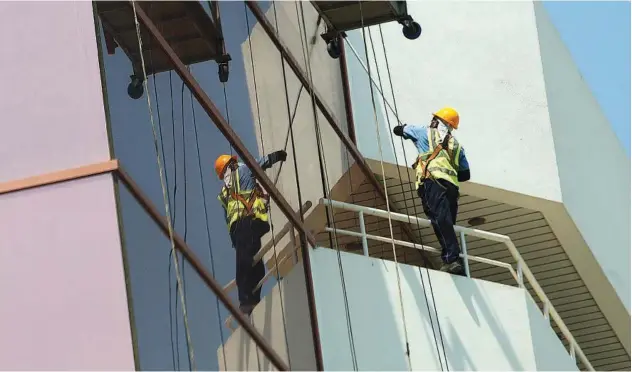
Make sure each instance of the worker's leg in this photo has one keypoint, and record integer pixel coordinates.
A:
(246, 236)
(436, 200)
(258, 271)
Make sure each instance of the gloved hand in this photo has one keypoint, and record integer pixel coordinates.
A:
(281, 155)
(399, 130)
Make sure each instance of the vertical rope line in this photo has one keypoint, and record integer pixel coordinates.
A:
(173, 120)
(184, 171)
(291, 131)
(402, 185)
(415, 206)
(162, 181)
(403, 193)
(325, 179)
(276, 257)
(434, 304)
(388, 207)
(162, 152)
(208, 232)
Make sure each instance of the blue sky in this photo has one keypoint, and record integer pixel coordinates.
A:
(597, 33)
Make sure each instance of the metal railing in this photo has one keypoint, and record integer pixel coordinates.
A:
(522, 270)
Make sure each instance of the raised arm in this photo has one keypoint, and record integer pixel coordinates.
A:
(269, 160)
(411, 132)
(463, 173)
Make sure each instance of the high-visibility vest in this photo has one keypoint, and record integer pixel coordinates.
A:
(439, 162)
(240, 203)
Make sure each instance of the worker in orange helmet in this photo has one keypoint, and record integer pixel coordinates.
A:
(246, 213)
(440, 166)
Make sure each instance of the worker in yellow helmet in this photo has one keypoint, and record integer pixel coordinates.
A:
(246, 213)
(440, 166)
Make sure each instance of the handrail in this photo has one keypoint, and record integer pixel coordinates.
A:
(522, 268)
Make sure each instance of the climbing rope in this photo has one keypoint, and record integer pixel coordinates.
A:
(175, 349)
(184, 171)
(415, 211)
(388, 207)
(263, 151)
(291, 136)
(301, 88)
(395, 112)
(163, 187)
(162, 151)
(325, 180)
(434, 303)
(207, 225)
(414, 198)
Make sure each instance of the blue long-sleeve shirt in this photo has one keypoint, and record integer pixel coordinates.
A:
(247, 179)
(419, 135)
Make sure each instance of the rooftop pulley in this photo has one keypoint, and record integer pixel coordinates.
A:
(194, 34)
(341, 16)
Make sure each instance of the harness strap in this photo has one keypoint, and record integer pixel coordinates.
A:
(256, 193)
(424, 164)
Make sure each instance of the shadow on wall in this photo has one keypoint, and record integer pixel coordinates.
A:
(486, 326)
(424, 312)
(370, 312)
(546, 345)
(475, 300)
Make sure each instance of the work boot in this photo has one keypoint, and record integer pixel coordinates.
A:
(454, 268)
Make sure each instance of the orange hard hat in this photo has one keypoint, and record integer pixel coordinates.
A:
(221, 163)
(449, 116)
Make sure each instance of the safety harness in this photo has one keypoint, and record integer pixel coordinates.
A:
(242, 203)
(447, 168)
(256, 193)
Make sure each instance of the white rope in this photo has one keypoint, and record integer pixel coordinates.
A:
(388, 207)
(327, 189)
(164, 192)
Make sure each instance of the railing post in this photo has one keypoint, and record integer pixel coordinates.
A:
(546, 310)
(365, 244)
(520, 279)
(466, 261)
(572, 350)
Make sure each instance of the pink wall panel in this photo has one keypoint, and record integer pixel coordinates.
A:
(51, 104)
(63, 302)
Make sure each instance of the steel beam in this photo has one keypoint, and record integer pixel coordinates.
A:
(347, 142)
(344, 76)
(250, 161)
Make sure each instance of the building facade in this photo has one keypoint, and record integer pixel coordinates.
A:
(96, 181)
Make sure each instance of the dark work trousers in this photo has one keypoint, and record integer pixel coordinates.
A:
(439, 199)
(246, 235)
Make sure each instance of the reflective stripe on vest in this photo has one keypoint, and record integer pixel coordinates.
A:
(445, 162)
(241, 203)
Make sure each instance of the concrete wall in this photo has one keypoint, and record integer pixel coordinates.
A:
(50, 98)
(283, 320)
(497, 86)
(271, 119)
(482, 325)
(62, 278)
(526, 116)
(596, 204)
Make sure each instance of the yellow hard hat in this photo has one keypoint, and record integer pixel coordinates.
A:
(221, 163)
(449, 116)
